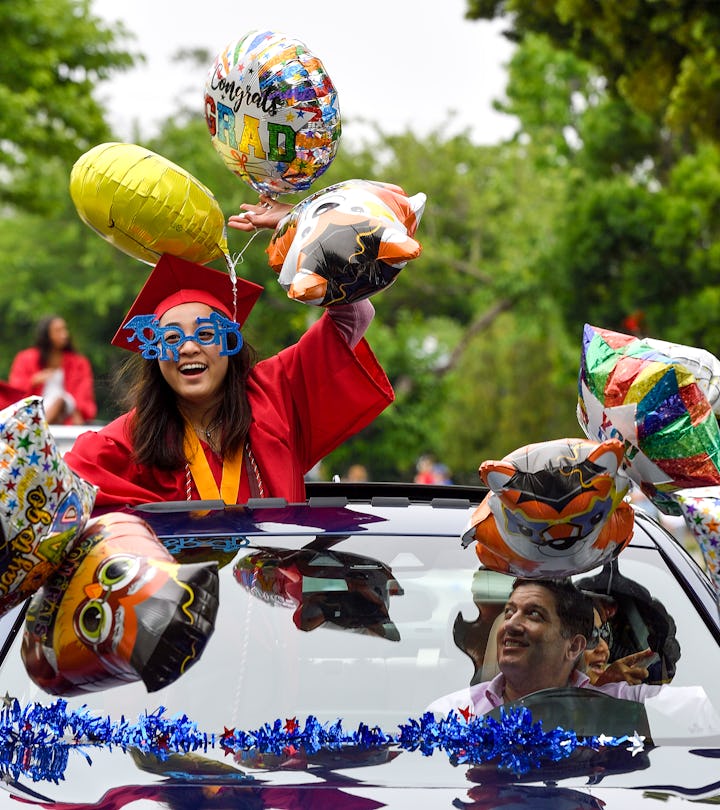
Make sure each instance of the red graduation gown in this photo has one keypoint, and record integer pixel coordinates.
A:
(78, 378)
(305, 402)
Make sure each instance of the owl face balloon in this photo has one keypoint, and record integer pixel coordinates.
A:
(43, 505)
(272, 112)
(346, 242)
(554, 509)
(119, 609)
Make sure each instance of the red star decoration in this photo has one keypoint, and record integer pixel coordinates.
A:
(291, 726)
(226, 740)
(467, 713)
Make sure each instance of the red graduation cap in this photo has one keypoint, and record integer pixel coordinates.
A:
(176, 281)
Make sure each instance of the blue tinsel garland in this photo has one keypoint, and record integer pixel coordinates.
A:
(35, 740)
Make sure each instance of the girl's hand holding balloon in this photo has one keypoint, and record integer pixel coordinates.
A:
(266, 213)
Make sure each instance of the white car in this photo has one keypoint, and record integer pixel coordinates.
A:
(65, 435)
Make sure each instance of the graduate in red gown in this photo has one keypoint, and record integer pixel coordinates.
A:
(206, 421)
(53, 370)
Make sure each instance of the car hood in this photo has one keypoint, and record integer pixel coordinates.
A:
(353, 779)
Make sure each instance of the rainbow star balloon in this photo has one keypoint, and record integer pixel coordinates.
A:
(632, 391)
(701, 510)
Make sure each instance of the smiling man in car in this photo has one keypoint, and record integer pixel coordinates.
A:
(540, 642)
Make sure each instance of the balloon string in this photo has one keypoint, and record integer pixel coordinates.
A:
(232, 262)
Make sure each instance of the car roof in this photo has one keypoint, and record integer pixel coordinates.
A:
(330, 509)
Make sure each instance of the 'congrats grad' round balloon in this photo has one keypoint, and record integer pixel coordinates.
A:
(272, 112)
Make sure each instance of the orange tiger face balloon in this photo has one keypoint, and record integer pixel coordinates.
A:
(554, 509)
(346, 242)
(119, 609)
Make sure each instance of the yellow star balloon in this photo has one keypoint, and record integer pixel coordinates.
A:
(146, 205)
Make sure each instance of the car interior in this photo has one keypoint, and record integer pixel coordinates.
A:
(638, 621)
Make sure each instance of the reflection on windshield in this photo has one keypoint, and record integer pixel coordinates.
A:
(176, 793)
(637, 621)
(324, 587)
(637, 617)
(522, 646)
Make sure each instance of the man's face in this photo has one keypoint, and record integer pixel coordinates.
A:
(532, 652)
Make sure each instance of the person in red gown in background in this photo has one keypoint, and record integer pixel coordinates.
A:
(205, 421)
(53, 370)
(9, 395)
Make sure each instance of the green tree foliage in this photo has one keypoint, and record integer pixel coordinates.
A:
(516, 384)
(487, 228)
(52, 56)
(566, 113)
(660, 56)
(631, 247)
(635, 233)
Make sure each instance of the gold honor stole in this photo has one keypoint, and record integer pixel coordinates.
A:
(202, 475)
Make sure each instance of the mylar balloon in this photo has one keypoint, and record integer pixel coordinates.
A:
(119, 609)
(346, 242)
(271, 576)
(146, 206)
(703, 365)
(701, 510)
(554, 509)
(272, 112)
(43, 504)
(652, 403)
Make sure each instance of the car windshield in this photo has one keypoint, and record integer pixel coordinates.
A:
(372, 628)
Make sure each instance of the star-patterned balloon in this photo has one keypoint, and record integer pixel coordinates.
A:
(43, 504)
(702, 516)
